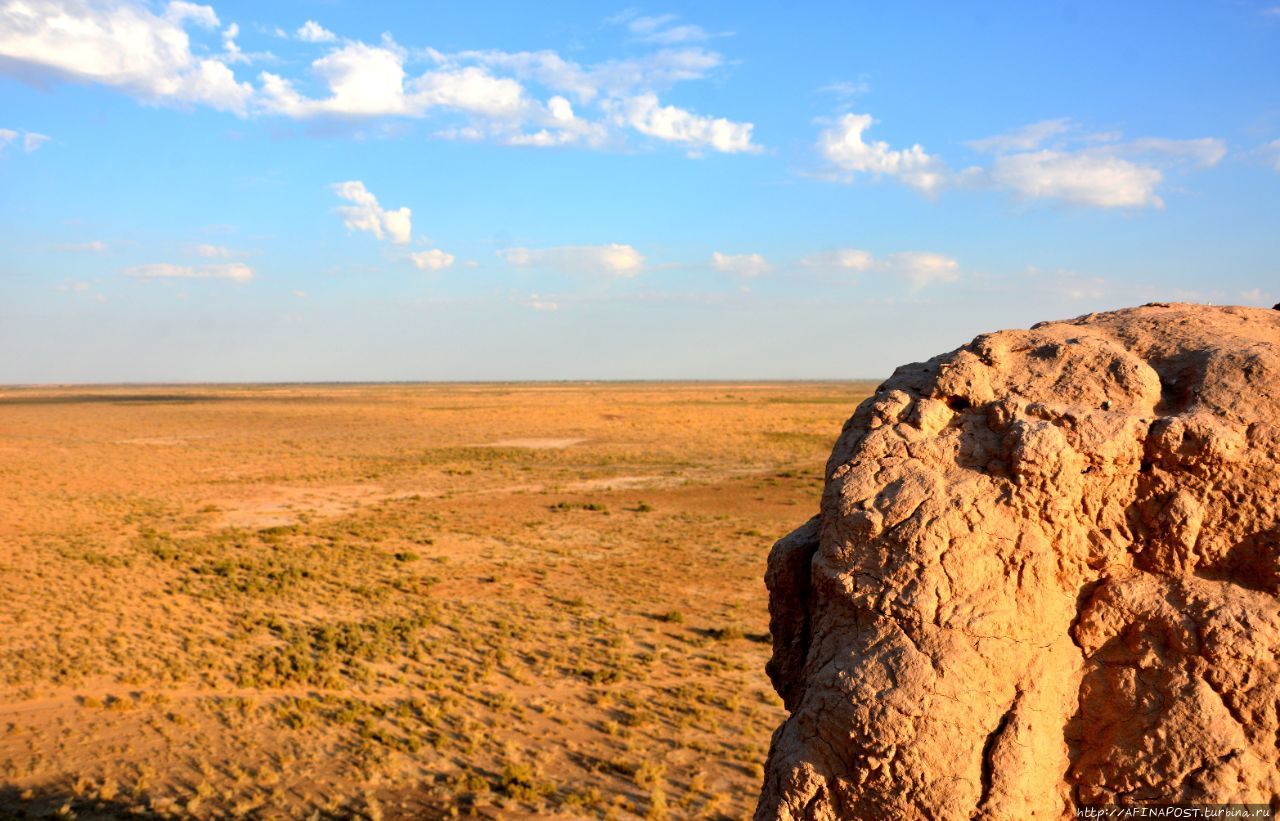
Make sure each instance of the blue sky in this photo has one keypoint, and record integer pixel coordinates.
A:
(372, 191)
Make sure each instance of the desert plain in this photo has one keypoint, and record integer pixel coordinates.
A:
(396, 601)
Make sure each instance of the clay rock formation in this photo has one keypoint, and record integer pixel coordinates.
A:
(1045, 574)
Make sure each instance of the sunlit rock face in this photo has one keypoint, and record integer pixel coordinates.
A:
(1044, 574)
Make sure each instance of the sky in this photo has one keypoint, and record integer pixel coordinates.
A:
(366, 191)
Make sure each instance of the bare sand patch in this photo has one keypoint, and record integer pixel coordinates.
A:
(167, 441)
(537, 443)
(624, 482)
(280, 505)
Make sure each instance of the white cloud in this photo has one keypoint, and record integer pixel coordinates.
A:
(231, 52)
(95, 246)
(152, 55)
(1205, 152)
(844, 147)
(563, 127)
(840, 259)
(663, 29)
(1271, 153)
(469, 89)
(1062, 283)
(1046, 160)
(1081, 288)
(120, 44)
(1087, 177)
(847, 89)
(615, 259)
(644, 114)
(743, 265)
(370, 81)
(364, 213)
(543, 67)
(1026, 138)
(917, 268)
(921, 268)
(363, 80)
(609, 79)
(236, 271)
(538, 303)
(313, 32)
(214, 251)
(179, 13)
(1105, 173)
(432, 260)
(31, 141)
(542, 138)
(561, 110)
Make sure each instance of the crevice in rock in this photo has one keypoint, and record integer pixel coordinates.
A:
(811, 809)
(1224, 697)
(790, 582)
(988, 751)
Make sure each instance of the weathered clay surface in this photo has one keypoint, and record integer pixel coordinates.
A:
(1045, 573)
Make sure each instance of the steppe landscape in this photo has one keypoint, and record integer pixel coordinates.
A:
(462, 410)
(393, 601)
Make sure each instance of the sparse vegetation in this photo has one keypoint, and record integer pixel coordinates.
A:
(315, 609)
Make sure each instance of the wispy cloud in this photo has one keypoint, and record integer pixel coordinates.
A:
(918, 269)
(235, 271)
(743, 265)
(93, 246)
(31, 141)
(1270, 153)
(1024, 138)
(214, 251)
(538, 303)
(613, 260)
(664, 29)
(846, 92)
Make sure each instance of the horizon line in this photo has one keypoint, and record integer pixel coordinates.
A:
(362, 382)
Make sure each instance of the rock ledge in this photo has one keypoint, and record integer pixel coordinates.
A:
(1045, 573)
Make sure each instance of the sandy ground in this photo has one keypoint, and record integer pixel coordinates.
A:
(395, 601)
